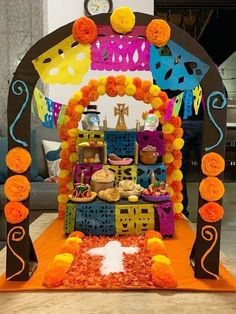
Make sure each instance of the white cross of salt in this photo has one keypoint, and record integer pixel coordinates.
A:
(113, 256)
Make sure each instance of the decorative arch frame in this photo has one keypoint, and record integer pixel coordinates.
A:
(21, 257)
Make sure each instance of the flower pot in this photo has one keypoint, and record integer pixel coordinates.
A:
(148, 157)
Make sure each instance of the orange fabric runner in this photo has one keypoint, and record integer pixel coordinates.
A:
(178, 249)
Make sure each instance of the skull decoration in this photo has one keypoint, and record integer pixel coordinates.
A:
(151, 122)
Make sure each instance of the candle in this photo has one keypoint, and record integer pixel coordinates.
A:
(137, 125)
(105, 124)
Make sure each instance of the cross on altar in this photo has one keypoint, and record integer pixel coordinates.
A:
(113, 254)
(121, 111)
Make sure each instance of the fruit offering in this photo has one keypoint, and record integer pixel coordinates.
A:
(156, 189)
(81, 191)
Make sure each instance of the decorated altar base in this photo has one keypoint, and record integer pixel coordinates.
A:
(178, 249)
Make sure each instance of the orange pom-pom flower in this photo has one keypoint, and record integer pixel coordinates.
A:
(84, 30)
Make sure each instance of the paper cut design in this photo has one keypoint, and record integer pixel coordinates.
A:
(61, 114)
(40, 103)
(188, 104)
(166, 218)
(48, 118)
(174, 68)
(65, 63)
(56, 111)
(136, 219)
(18, 88)
(177, 104)
(197, 98)
(120, 53)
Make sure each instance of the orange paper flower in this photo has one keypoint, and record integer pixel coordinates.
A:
(211, 212)
(78, 234)
(84, 30)
(18, 159)
(212, 164)
(15, 212)
(211, 189)
(54, 278)
(156, 248)
(152, 234)
(17, 188)
(164, 276)
(158, 32)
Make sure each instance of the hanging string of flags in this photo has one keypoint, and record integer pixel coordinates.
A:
(190, 99)
(49, 112)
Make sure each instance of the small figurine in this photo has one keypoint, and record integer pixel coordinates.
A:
(92, 119)
(151, 122)
(81, 191)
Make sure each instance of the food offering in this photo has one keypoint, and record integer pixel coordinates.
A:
(118, 161)
(129, 188)
(156, 192)
(149, 155)
(82, 193)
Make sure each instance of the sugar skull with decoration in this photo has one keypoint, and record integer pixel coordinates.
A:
(92, 118)
(151, 122)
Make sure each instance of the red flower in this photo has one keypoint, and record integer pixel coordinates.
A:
(84, 30)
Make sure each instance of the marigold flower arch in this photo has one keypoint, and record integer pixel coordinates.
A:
(141, 90)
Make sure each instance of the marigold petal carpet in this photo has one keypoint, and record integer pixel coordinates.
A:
(178, 250)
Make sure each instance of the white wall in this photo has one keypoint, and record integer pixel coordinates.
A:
(61, 12)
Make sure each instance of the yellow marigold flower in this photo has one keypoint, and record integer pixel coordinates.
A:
(130, 90)
(101, 90)
(74, 239)
(79, 109)
(162, 259)
(70, 186)
(128, 81)
(73, 132)
(64, 257)
(64, 145)
(62, 198)
(157, 114)
(63, 173)
(73, 157)
(177, 175)
(154, 240)
(78, 95)
(178, 207)
(154, 90)
(168, 158)
(178, 143)
(170, 191)
(102, 80)
(122, 20)
(168, 128)
(157, 102)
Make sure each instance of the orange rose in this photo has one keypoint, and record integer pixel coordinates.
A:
(15, 212)
(211, 189)
(17, 188)
(211, 212)
(212, 164)
(18, 159)
(158, 32)
(84, 30)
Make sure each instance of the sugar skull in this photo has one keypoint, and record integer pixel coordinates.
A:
(151, 122)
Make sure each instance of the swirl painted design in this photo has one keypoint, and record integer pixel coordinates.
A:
(16, 234)
(209, 233)
(213, 101)
(18, 88)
